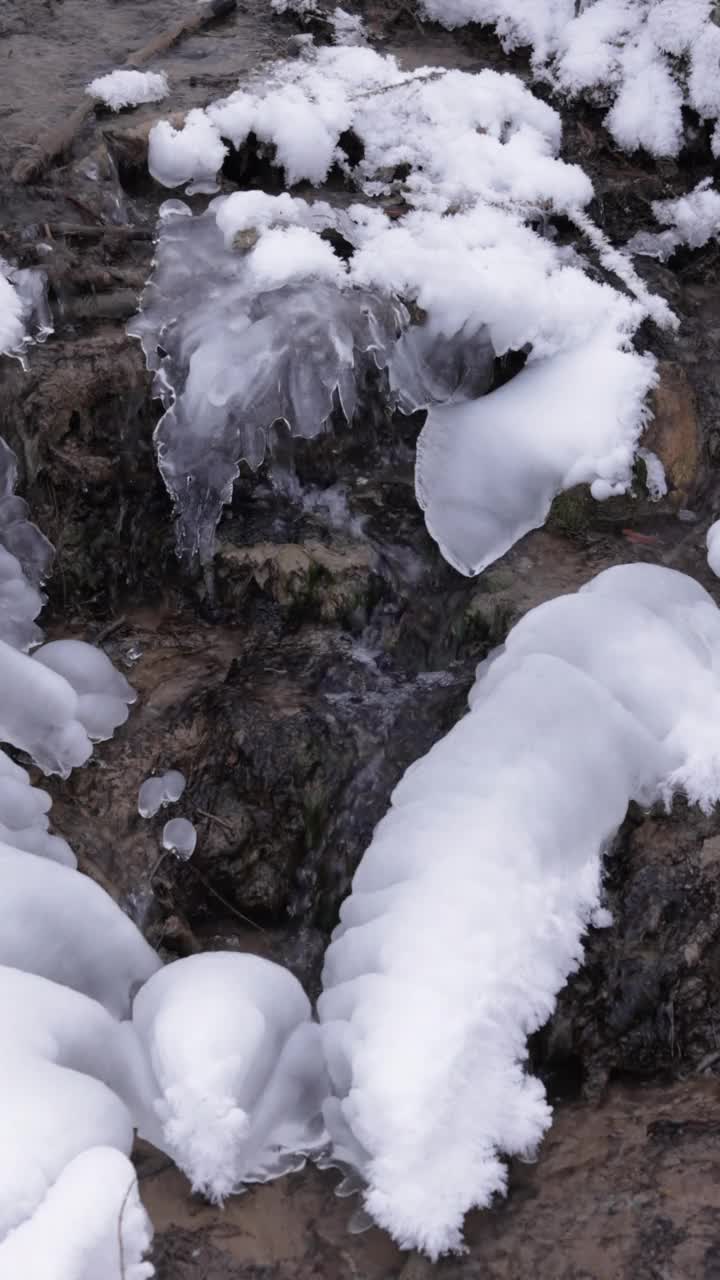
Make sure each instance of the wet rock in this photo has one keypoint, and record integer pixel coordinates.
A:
(674, 434)
(331, 583)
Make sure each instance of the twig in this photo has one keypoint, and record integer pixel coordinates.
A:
(108, 630)
(224, 901)
(78, 231)
(214, 817)
(55, 143)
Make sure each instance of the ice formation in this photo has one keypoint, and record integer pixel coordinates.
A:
(24, 311)
(649, 58)
(468, 909)
(103, 693)
(179, 837)
(156, 792)
(105, 956)
(98, 1189)
(713, 547)
(251, 317)
(239, 1100)
(124, 88)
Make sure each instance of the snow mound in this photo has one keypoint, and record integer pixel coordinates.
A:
(61, 925)
(487, 471)
(251, 317)
(648, 58)
(495, 837)
(99, 1189)
(239, 1099)
(123, 88)
(69, 1073)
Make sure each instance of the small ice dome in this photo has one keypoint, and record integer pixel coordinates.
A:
(174, 782)
(713, 548)
(179, 837)
(150, 797)
(155, 793)
(85, 667)
(22, 806)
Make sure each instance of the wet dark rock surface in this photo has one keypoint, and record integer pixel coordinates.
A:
(330, 649)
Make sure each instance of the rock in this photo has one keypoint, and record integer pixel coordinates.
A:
(674, 433)
(318, 580)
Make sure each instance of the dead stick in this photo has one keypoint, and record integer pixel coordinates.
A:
(56, 142)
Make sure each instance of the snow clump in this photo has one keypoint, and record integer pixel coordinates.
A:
(123, 88)
(648, 58)
(496, 837)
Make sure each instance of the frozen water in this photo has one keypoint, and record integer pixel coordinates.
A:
(98, 1189)
(264, 322)
(239, 1099)
(62, 925)
(157, 792)
(179, 837)
(496, 837)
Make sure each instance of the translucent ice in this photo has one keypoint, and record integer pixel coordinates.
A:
(179, 837)
(159, 791)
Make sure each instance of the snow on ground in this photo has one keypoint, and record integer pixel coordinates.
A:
(468, 908)
(473, 162)
(649, 58)
(123, 88)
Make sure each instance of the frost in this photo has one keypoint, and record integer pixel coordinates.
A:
(123, 88)
(250, 317)
(155, 793)
(692, 220)
(179, 837)
(239, 1100)
(650, 58)
(98, 1189)
(468, 909)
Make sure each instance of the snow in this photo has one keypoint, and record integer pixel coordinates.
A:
(193, 153)
(179, 837)
(240, 1098)
(468, 909)
(692, 219)
(41, 904)
(12, 327)
(488, 470)
(473, 160)
(98, 1188)
(123, 88)
(649, 58)
(713, 547)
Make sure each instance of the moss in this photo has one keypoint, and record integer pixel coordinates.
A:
(571, 512)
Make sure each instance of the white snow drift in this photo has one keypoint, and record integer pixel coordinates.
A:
(467, 911)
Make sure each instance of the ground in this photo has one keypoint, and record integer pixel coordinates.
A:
(259, 686)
